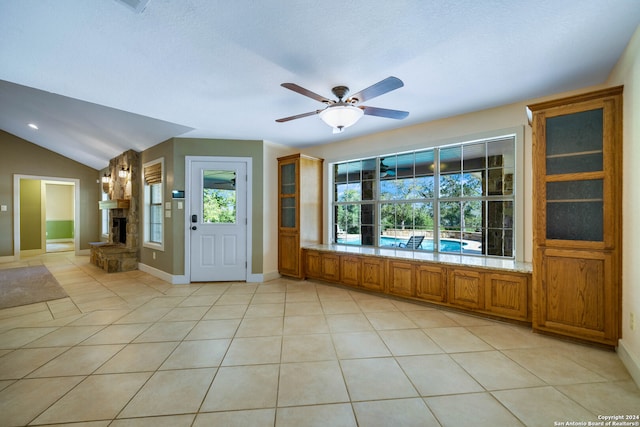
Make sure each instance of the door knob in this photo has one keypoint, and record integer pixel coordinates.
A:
(194, 228)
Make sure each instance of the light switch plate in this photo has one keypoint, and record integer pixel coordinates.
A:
(3, 208)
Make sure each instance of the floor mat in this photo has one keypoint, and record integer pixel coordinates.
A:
(28, 285)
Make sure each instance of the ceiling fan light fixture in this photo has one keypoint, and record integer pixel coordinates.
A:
(340, 116)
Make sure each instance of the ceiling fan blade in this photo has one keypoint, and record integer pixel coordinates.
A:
(380, 88)
(298, 116)
(302, 91)
(383, 112)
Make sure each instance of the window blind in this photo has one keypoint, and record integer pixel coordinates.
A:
(153, 174)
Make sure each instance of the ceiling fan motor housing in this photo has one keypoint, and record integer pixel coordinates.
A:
(340, 91)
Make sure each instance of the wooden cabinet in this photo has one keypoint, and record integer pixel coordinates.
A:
(299, 210)
(351, 270)
(313, 268)
(330, 264)
(466, 288)
(577, 144)
(496, 293)
(373, 274)
(431, 283)
(507, 295)
(401, 278)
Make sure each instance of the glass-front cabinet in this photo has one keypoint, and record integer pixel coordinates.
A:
(577, 195)
(299, 210)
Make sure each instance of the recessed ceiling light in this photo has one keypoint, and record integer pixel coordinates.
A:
(33, 126)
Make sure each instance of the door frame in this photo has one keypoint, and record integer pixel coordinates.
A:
(16, 211)
(188, 160)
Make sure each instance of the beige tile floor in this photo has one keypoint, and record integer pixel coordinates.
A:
(128, 349)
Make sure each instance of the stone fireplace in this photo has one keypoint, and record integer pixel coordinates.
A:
(120, 252)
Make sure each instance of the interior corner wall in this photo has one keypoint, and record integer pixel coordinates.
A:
(627, 73)
(21, 157)
(175, 151)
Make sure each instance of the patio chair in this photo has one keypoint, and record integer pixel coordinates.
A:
(414, 242)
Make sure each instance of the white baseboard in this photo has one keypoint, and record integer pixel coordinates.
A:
(9, 258)
(630, 361)
(167, 277)
(255, 278)
(181, 279)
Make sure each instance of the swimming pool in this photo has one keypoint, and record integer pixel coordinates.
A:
(446, 245)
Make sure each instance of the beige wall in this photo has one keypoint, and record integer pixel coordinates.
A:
(24, 158)
(627, 73)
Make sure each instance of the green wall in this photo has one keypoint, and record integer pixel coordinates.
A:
(59, 229)
(30, 214)
(174, 152)
(21, 157)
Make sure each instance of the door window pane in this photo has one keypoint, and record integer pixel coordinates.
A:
(219, 197)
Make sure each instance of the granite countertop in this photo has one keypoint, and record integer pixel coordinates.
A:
(440, 258)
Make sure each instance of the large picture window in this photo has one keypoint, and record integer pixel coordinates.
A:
(453, 199)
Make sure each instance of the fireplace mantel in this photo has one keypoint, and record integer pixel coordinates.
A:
(114, 204)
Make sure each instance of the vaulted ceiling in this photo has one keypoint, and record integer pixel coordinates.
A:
(98, 77)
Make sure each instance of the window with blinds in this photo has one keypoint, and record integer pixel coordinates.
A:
(153, 200)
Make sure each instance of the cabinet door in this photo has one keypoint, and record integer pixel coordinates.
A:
(373, 274)
(288, 182)
(350, 270)
(508, 295)
(401, 278)
(289, 254)
(466, 288)
(312, 264)
(330, 266)
(577, 294)
(431, 283)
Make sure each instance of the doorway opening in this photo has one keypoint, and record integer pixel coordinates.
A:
(46, 215)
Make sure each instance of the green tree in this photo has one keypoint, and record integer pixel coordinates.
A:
(219, 206)
(349, 215)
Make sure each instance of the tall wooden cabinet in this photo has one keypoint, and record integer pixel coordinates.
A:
(299, 210)
(577, 151)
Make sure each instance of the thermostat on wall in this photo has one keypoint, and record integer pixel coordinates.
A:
(177, 194)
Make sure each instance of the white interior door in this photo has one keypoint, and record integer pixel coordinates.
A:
(218, 221)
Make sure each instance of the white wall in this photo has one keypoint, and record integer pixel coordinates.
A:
(627, 73)
(59, 202)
